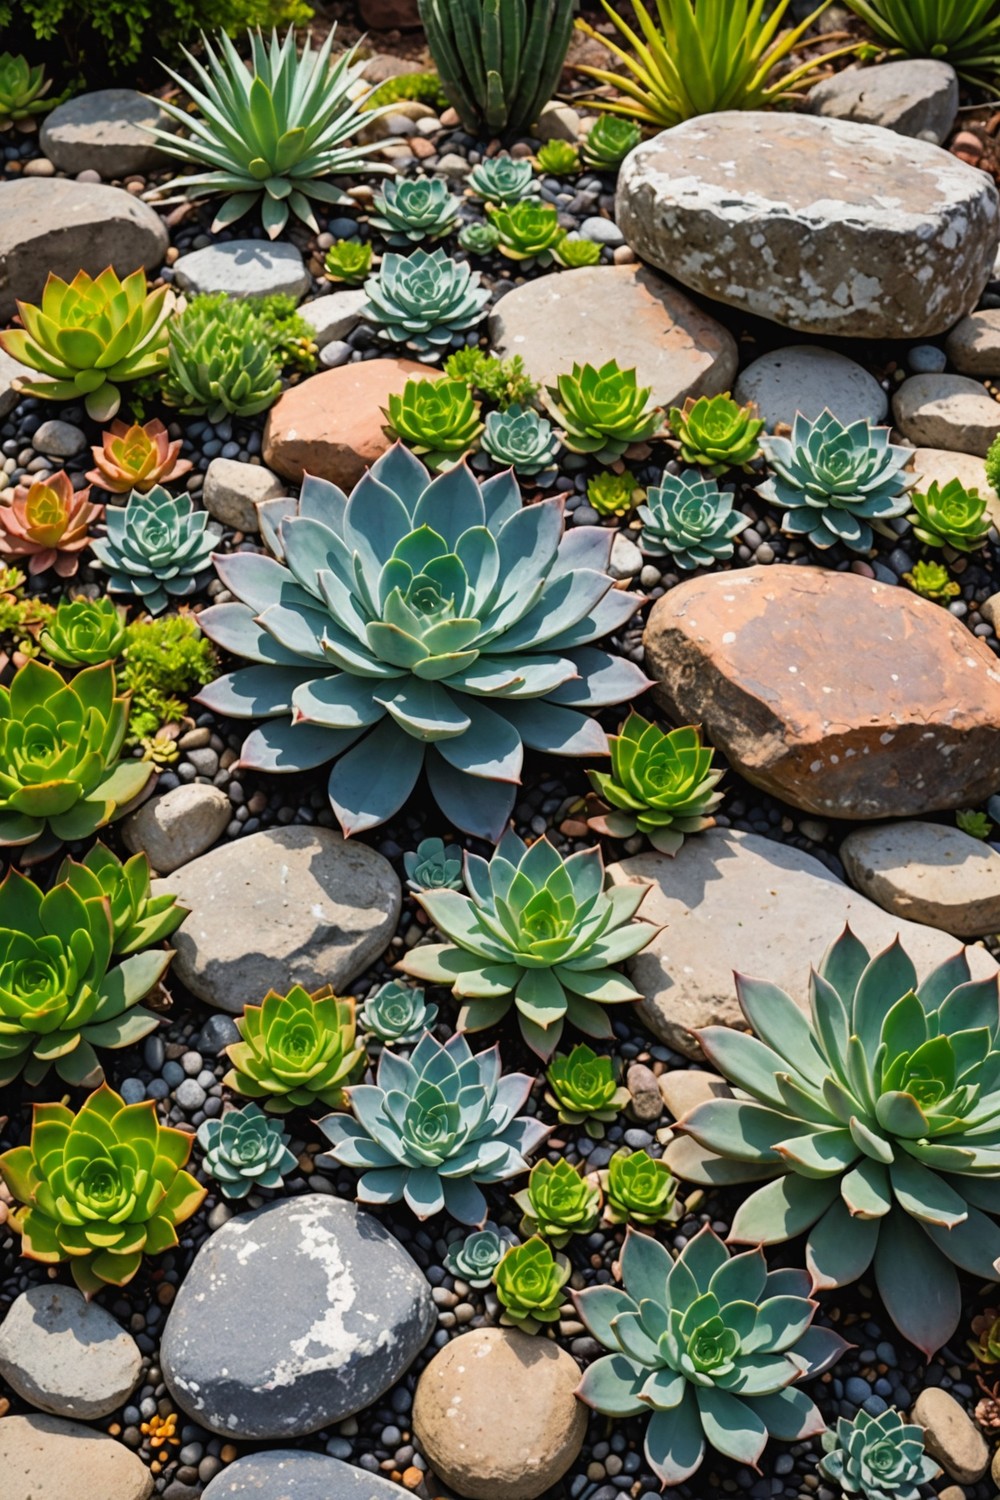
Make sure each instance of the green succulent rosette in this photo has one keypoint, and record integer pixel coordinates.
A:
(501, 179)
(476, 1257)
(573, 251)
(717, 433)
(879, 1458)
(422, 300)
(411, 209)
(932, 581)
(528, 231)
(612, 494)
(296, 1051)
(222, 360)
(398, 1013)
(950, 516)
(478, 239)
(529, 1282)
(437, 419)
(157, 548)
(602, 411)
(521, 438)
(22, 90)
(584, 1089)
(638, 1189)
(558, 158)
(609, 141)
(433, 866)
(245, 1151)
(138, 918)
(84, 633)
(690, 520)
(349, 261)
(661, 784)
(558, 1203)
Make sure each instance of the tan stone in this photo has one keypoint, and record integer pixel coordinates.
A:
(45, 1458)
(973, 345)
(843, 696)
(947, 411)
(927, 873)
(496, 1414)
(942, 465)
(683, 1088)
(950, 1435)
(332, 424)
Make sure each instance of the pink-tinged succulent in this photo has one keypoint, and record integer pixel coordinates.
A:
(48, 523)
(136, 457)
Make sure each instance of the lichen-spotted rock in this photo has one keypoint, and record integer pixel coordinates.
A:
(822, 225)
(293, 1316)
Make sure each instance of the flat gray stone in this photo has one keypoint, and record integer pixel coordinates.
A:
(290, 1474)
(927, 873)
(233, 490)
(177, 827)
(973, 345)
(293, 1316)
(45, 1458)
(334, 316)
(58, 439)
(105, 131)
(281, 907)
(243, 268)
(820, 225)
(916, 97)
(66, 1355)
(947, 411)
(58, 225)
(809, 379)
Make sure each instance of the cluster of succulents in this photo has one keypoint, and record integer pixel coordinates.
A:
(132, 458)
(437, 419)
(950, 516)
(48, 524)
(221, 361)
(716, 433)
(296, 1051)
(423, 300)
(157, 548)
(602, 411)
(584, 1089)
(691, 520)
(397, 1013)
(502, 382)
(245, 1151)
(412, 209)
(661, 783)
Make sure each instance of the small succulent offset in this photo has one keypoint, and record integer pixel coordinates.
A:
(688, 518)
(874, 1121)
(536, 932)
(976, 824)
(529, 231)
(101, 1188)
(48, 522)
(661, 783)
(434, 1129)
(411, 209)
(558, 158)
(88, 336)
(221, 363)
(475, 1258)
(529, 1282)
(501, 179)
(136, 457)
(558, 1203)
(437, 419)
(711, 1345)
(139, 919)
(348, 261)
(478, 238)
(833, 481)
(602, 411)
(950, 516)
(433, 866)
(22, 91)
(84, 633)
(572, 251)
(521, 438)
(638, 1188)
(423, 300)
(609, 141)
(504, 382)
(717, 433)
(156, 548)
(879, 1458)
(932, 580)
(584, 1089)
(296, 1051)
(245, 1151)
(398, 1013)
(612, 494)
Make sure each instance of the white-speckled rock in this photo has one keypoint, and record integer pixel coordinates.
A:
(177, 827)
(950, 1435)
(243, 268)
(233, 490)
(870, 236)
(917, 96)
(929, 873)
(291, 1474)
(809, 379)
(66, 1355)
(294, 1316)
(44, 1458)
(947, 411)
(105, 131)
(334, 316)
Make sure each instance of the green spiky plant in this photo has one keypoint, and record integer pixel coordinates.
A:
(584, 1090)
(602, 411)
(558, 1203)
(502, 382)
(221, 360)
(437, 419)
(423, 300)
(529, 1281)
(688, 518)
(639, 1189)
(950, 516)
(716, 433)
(296, 1051)
(967, 35)
(661, 783)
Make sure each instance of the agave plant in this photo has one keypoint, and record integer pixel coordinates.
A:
(712, 1346)
(932, 580)
(101, 1188)
(475, 1258)
(537, 932)
(245, 1151)
(398, 1013)
(521, 438)
(59, 999)
(967, 35)
(88, 336)
(880, 1458)
(48, 523)
(137, 457)
(602, 411)
(221, 361)
(437, 419)
(478, 239)
(661, 783)
(434, 1129)
(348, 261)
(639, 1189)
(296, 1051)
(22, 91)
(689, 519)
(528, 231)
(390, 619)
(558, 158)
(434, 866)
(572, 251)
(833, 481)
(609, 141)
(558, 1203)
(84, 633)
(612, 494)
(717, 433)
(422, 300)
(529, 1282)
(874, 1121)
(60, 742)
(157, 548)
(139, 919)
(584, 1090)
(950, 516)
(269, 134)
(501, 179)
(411, 209)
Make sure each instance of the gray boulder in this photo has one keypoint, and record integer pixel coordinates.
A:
(105, 131)
(916, 97)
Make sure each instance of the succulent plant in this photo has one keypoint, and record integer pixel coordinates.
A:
(537, 932)
(558, 158)
(529, 1282)
(661, 783)
(499, 60)
(268, 134)
(296, 1051)
(521, 438)
(612, 494)
(711, 1345)
(505, 382)
(932, 580)
(398, 1013)
(985, 1343)
(434, 1128)
(573, 251)
(419, 88)
(880, 1458)
(832, 481)
(478, 239)
(558, 1203)
(976, 824)
(244, 1151)
(950, 516)
(873, 1121)
(717, 433)
(638, 1188)
(434, 866)
(48, 523)
(60, 774)
(401, 612)
(993, 465)
(411, 209)
(221, 362)
(584, 1090)
(609, 141)
(349, 261)
(475, 1258)
(602, 411)
(156, 548)
(422, 300)
(88, 336)
(136, 457)
(22, 91)
(689, 519)
(501, 179)
(101, 1188)
(528, 230)
(437, 419)
(84, 633)
(139, 919)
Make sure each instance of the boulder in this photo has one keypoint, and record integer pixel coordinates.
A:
(233, 490)
(66, 1355)
(809, 379)
(44, 1458)
(928, 873)
(916, 97)
(177, 827)
(947, 411)
(106, 131)
(973, 345)
(870, 236)
(290, 1474)
(843, 696)
(243, 268)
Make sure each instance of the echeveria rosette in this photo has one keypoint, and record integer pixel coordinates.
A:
(602, 411)
(950, 516)
(245, 1151)
(638, 1188)
(529, 231)
(834, 482)
(100, 1189)
(436, 1128)
(661, 783)
(157, 548)
(422, 300)
(879, 1458)
(135, 457)
(223, 360)
(876, 1119)
(475, 1258)
(22, 90)
(609, 141)
(296, 1051)
(478, 238)
(138, 918)
(433, 866)
(717, 433)
(558, 1203)
(584, 1089)
(529, 1281)
(437, 419)
(501, 179)
(398, 1013)
(573, 251)
(349, 261)
(411, 209)
(536, 932)
(521, 438)
(48, 522)
(419, 624)
(689, 519)
(710, 1345)
(84, 633)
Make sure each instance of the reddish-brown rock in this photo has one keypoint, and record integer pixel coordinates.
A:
(332, 425)
(842, 696)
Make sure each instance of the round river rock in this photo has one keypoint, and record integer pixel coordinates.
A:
(66, 1355)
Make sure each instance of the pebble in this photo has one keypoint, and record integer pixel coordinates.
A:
(179, 826)
(45, 1458)
(951, 1437)
(58, 439)
(65, 1355)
